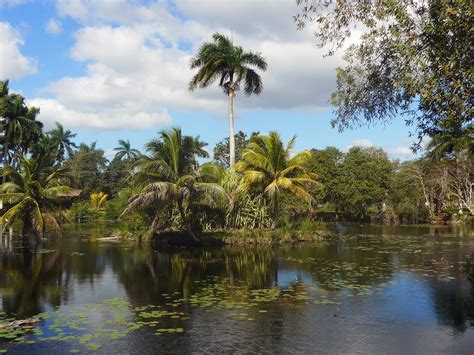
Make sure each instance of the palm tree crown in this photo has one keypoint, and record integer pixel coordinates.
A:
(268, 168)
(61, 140)
(125, 150)
(222, 60)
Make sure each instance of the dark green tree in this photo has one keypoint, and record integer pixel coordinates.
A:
(364, 182)
(19, 126)
(221, 150)
(87, 165)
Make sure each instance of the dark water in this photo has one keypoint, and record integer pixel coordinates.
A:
(367, 290)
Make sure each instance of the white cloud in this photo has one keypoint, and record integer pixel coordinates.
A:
(53, 26)
(363, 143)
(13, 65)
(137, 56)
(110, 118)
(401, 151)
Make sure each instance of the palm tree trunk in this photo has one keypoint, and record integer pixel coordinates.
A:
(187, 226)
(5, 160)
(276, 208)
(231, 127)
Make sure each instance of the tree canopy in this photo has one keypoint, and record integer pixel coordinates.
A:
(413, 59)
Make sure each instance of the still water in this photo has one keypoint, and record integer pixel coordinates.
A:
(367, 289)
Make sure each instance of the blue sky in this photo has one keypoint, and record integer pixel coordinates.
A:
(117, 69)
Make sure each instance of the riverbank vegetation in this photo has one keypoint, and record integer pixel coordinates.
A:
(175, 185)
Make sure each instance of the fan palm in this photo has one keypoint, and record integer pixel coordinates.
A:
(61, 141)
(221, 60)
(32, 194)
(268, 168)
(125, 150)
(168, 176)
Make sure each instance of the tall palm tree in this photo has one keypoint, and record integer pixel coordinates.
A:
(61, 141)
(168, 176)
(221, 60)
(268, 168)
(32, 194)
(125, 150)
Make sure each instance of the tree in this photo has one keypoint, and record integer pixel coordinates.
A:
(18, 125)
(32, 194)
(414, 59)
(88, 164)
(61, 141)
(221, 150)
(125, 150)
(221, 60)
(326, 163)
(268, 168)
(169, 177)
(364, 182)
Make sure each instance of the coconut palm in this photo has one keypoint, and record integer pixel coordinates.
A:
(221, 60)
(168, 177)
(125, 150)
(32, 194)
(268, 168)
(61, 141)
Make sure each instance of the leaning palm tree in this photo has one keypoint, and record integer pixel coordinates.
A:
(168, 177)
(221, 60)
(32, 194)
(125, 150)
(268, 168)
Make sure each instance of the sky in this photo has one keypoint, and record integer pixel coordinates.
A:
(119, 69)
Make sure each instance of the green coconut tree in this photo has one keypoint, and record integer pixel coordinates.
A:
(125, 151)
(168, 176)
(269, 168)
(32, 194)
(231, 66)
(61, 141)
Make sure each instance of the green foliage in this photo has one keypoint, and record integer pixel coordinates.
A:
(413, 58)
(88, 164)
(268, 169)
(168, 179)
(19, 127)
(364, 181)
(221, 150)
(32, 194)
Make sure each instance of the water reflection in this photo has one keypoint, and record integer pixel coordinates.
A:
(354, 273)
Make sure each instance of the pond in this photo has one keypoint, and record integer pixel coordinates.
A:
(369, 289)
